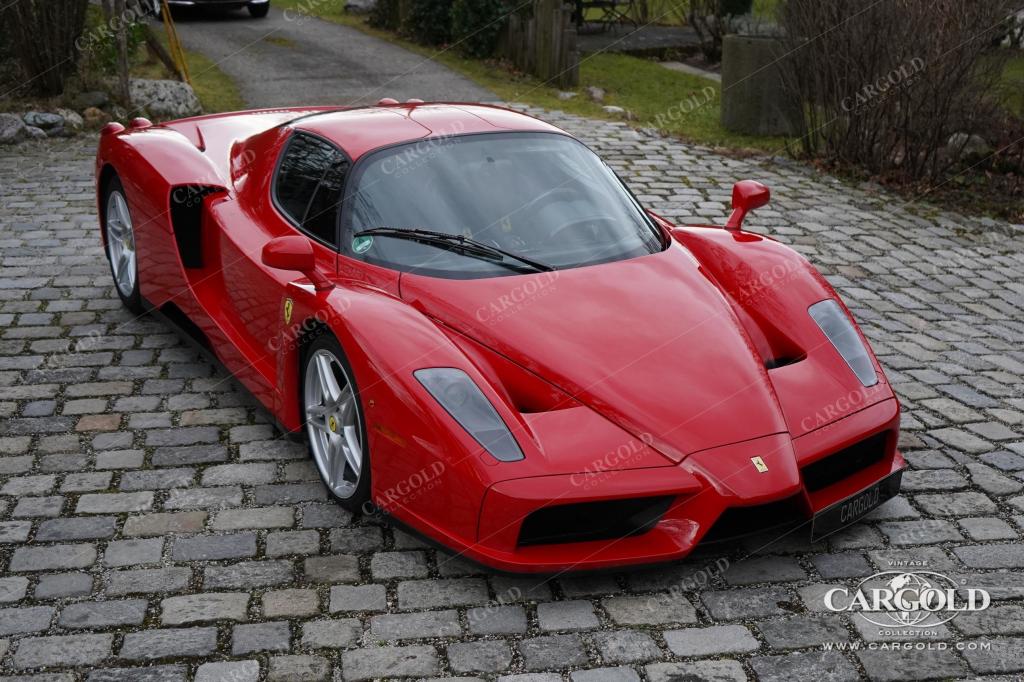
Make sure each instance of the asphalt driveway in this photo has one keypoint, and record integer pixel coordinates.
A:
(289, 58)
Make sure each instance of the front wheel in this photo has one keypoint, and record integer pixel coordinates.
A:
(259, 11)
(334, 422)
(119, 239)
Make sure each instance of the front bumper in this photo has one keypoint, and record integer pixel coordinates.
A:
(718, 491)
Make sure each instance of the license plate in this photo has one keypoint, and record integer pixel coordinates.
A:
(843, 513)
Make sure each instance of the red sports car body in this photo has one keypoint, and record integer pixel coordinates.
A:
(482, 333)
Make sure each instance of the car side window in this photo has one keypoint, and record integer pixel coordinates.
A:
(308, 185)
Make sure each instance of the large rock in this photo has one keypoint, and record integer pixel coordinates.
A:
(95, 118)
(969, 146)
(35, 133)
(44, 120)
(12, 129)
(164, 99)
(73, 123)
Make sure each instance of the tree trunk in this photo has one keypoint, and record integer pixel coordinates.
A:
(122, 54)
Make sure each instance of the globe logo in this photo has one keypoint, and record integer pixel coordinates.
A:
(907, 599)
(913, 586)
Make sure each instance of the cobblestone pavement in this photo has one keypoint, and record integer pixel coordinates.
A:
(154, 527)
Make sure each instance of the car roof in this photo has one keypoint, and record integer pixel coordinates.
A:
(358, 131)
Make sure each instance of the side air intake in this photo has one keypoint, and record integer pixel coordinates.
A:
(187, 218)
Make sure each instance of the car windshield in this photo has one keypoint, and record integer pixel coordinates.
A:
(543, 196)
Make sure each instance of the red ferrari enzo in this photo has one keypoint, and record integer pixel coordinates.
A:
(481, 331)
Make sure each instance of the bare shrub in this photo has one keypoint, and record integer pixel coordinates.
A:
(886, 84)
(712, 20)
(43, 33)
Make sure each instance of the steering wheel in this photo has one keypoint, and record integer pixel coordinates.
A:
(546, 198)
(590, 222)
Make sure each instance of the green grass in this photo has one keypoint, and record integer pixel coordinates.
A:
(679, 104)
(215, 89)
(1013, 79)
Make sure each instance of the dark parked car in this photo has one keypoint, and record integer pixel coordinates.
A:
(257, 8)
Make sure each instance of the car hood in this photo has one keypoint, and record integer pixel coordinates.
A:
(650, 343)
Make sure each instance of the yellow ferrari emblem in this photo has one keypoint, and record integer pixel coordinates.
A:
(333, 424)
(288, 305)
(759, 464)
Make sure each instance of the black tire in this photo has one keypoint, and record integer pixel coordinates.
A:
(358, 501)
(259, 11)
(133, 300)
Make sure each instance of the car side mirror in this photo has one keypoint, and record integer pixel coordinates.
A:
(294, 253)
(746, 196)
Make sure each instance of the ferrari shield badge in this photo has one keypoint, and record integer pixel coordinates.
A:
(759, 464)
(288, 304)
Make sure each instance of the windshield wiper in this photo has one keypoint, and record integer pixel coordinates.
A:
(466, 245)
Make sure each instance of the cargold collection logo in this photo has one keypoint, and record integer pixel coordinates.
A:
(903, 599)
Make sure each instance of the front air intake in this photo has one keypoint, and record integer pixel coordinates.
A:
(586, 521)
(846, 462)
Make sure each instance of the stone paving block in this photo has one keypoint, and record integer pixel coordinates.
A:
(415, 625)
(240, 519)
(13, 589)
(76, 528)
(14, 621)
(60, 585)
(248, 575)
(715, 640)
(53, 557)
(148, 581)
(213, 547)
(403, 661)
(552, 651)
(387, 565)
(103, 614)
(337, 568)
(339, 633)
(485, 656)
(354, 598)
(288, 543)
(156, 673)
(625, 646)
(228, 671)
(303, 668)
(114, 503)
(62, 651)
(426, 594)
(748, 603)
(133, 552)
(290, 603)
(496, 620)
(204, 608)
(802, 631)
(253, 637)
(821, 665)
(567, 615)
(161, 643)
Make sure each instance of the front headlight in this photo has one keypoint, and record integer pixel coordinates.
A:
(839, 329)
(464, 401)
